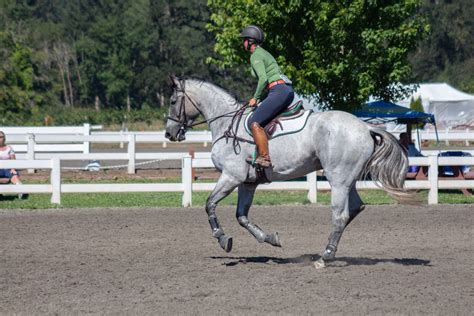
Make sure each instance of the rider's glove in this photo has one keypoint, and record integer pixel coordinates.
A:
(252, 102)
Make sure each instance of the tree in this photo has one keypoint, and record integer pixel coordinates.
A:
(182, 41)
(417, 105)
(107, 53)
(17, 78)
(340, 52)
(447, 54)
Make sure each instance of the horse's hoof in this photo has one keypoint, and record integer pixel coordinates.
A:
(225, 242)
(273, 239)
(329, 253)
(328, 256)
(319, 264)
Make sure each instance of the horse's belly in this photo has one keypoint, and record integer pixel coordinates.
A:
(294, 170)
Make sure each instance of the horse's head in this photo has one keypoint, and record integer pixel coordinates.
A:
(182, 113)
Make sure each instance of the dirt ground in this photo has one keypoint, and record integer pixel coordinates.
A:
(392, 260)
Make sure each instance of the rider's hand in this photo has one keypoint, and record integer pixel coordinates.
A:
(252, 102)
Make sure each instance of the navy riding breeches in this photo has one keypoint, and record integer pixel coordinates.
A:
(278, 99)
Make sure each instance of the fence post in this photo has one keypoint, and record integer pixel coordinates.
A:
(205, 135)
(131, 153)
(31, 150)
(446, 131)
(56, 181)
(433, 178)
(187, 180)
(312, 187)
(417, 140)
(467, 140)
(122, 131)
(191, 153)
(87, 132)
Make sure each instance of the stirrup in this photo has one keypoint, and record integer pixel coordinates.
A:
(254, 161)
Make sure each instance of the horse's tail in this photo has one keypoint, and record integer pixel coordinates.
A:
(388, 164)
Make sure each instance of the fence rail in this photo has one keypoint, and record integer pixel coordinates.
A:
(186, 186)
(22, 138)
(78, 139)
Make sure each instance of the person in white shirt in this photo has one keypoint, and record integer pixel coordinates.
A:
(7, 153)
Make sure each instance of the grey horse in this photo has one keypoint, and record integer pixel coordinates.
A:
(338, 142)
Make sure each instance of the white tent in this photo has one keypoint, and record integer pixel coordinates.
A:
(452, 108)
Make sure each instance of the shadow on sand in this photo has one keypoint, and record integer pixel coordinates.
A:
(308, 258)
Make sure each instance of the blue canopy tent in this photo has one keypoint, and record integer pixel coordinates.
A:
(384, 112)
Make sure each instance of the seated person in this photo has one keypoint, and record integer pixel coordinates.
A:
(8, 175)
(405, 142)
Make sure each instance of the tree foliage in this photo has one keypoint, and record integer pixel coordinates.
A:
(448, 53)
(417, 105)
(19, 82)
(117, 54)
(111, 54)
(340, 51)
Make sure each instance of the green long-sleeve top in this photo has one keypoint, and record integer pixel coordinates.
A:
(265, 68)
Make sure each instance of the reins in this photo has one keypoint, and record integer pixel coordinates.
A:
(231, 132)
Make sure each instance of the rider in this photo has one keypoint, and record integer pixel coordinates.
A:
(274, 91)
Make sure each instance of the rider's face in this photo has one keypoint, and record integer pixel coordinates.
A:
(246, 44)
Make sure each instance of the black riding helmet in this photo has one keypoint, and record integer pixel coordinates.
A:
(254, 33)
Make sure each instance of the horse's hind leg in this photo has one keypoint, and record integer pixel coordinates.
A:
(355, 204)
(246, 193)
(225, 185)
(346, 205)
(340, 219)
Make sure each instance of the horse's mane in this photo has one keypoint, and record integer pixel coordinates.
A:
(215, 87)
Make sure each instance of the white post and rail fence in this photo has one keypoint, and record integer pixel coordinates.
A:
(67, 146)
(32, 140)
(187, 186)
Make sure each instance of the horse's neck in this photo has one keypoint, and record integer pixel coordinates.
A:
(215, 104)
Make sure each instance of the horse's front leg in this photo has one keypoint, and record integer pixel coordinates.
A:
(225, 185)
(246, 193)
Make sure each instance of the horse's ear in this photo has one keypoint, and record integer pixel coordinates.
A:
(174, 80)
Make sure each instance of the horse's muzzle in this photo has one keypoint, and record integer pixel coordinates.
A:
(180, 136)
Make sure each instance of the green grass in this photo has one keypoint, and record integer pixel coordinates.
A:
(91, 200)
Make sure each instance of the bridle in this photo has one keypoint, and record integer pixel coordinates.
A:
(182, 119)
